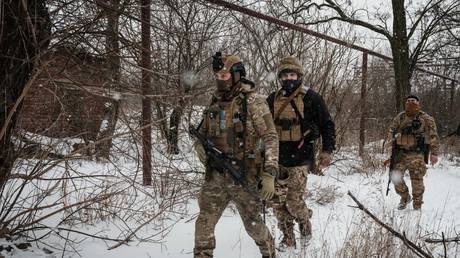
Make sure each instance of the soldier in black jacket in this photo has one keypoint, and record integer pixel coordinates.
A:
(301, 117)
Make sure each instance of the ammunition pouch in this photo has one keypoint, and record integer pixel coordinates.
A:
(414, 127)
(412, 137)
(412, 143)
(311, 132)
(286, 124)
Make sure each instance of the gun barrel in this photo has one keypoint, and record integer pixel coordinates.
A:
(221, 162)
(394, 153)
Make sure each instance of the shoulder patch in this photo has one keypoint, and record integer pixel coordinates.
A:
(251, 97)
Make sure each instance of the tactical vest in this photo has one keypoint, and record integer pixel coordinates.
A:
(412, 133)
(227, 126)
(288, 123)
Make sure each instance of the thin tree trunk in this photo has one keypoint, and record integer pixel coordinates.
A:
(400, 49)
(452, 98)
(184, 64)
(113, 56)
(362, 119)
(25, 30)
(146, 64)
(173, 136)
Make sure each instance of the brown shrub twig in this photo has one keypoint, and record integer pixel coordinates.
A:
(133, 233)
(412, 246)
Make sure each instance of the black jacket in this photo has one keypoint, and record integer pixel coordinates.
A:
(315, 114)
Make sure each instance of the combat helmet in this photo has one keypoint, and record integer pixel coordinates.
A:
(290, 64)
(229, 63)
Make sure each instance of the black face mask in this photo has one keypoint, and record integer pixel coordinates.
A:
(290, 85)
(224, 86)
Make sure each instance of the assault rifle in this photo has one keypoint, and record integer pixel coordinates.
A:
(220, 162)
(394, 153)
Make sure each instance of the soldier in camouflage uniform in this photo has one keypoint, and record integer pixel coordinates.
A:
(236, 121)
(416, 139)
(301, 116)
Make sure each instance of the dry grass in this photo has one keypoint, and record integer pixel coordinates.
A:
(367, 239)
(324, 194)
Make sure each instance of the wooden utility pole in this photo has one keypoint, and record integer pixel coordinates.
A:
(146, 65)
(362, 119)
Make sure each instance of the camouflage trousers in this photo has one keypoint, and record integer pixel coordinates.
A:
(289, 204)
(214, 197)
(417, 169)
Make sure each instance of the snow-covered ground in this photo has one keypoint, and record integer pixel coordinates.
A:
(334, 221)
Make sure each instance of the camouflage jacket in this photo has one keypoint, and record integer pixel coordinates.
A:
(316, 116)
(224, 125)
(428, 129)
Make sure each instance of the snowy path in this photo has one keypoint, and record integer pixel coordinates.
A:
(332, 222)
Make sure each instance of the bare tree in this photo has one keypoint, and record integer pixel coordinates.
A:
(113, 57)
(408, 41)
(24, 33)
(188, 33)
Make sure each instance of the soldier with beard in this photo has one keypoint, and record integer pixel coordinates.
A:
(301, 116)
(417, 141)
(235, 121)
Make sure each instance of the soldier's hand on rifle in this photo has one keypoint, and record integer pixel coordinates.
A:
(201, 153)
(389, 150)
(386, 163)
(324, 160)
(433, 159)
(267, 185)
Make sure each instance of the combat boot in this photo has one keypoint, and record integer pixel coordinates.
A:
(310, 213)
(269, 256)
(288, 241)
(417, 205)
(404, 201)
(305, 229)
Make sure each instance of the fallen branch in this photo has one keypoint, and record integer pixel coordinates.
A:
(77, 232)
(412, 246)
(436, 241)
(444, 244)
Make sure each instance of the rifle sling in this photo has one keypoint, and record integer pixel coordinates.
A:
(296, 109)
(244, 121)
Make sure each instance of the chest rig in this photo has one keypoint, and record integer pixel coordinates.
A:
(412, 133)
(288, 115)
(229, 127)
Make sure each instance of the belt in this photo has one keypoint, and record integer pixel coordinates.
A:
(411, 151)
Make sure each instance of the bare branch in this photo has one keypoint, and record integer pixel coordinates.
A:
(344, 17)
(417, 250)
